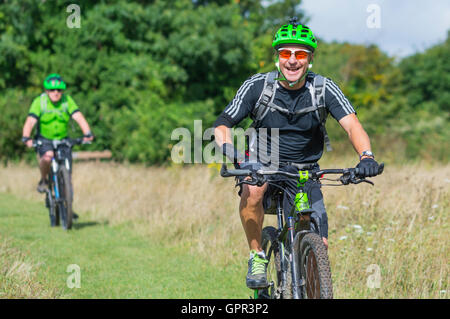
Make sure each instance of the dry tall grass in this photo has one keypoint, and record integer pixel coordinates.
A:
(18, 275)
(399, 227)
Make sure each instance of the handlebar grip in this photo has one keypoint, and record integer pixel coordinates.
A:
(224, 172)
(77, 141)
(380, 169)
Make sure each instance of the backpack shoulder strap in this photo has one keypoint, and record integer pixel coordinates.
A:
(266, 97)
(319, 95)
(65, 104)
(319, 85)
(43, 100)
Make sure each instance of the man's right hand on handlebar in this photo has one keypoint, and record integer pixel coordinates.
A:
(239, 160)
(27, 141)
(250, 166)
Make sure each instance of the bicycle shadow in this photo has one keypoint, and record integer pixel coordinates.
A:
(81, 225)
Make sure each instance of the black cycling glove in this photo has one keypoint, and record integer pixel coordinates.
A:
(251, 166)
(368, 167)
(232, 154)
(238, 159)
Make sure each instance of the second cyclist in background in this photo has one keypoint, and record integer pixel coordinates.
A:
(51, 112)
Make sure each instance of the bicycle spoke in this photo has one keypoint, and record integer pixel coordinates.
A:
(312, 281)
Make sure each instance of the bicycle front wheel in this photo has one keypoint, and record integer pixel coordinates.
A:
(313, 267)
(65, 193)
(52, 209)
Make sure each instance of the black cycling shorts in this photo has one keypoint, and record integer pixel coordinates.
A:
(46, 145)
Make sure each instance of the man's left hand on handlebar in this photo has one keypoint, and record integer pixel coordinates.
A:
(88, 137)
(368, 167)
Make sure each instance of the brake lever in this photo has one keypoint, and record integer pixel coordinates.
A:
(352, 178)
(346, 179)
(245, 181)
(363, 180)
(256, 179)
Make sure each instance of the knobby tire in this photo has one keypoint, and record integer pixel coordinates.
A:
(52, 209)
(313, 266)
(65, 192)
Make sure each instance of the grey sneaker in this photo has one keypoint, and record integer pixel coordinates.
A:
(42, 186)
(257, 271)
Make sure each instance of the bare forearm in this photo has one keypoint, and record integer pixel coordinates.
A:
(28, 126)
(359, 139)
(79, 118)
(356, 133)
(222, 135)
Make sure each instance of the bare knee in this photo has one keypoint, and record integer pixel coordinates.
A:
(252, 196)
(47, 157)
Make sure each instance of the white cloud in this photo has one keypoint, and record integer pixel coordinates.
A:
(405, 26)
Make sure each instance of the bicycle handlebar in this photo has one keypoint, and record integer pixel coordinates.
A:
(349, 175)
(70, 142)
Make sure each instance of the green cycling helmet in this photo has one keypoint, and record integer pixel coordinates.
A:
(295, 33)
(54, 81)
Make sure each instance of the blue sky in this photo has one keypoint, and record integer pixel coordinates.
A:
(404, 26)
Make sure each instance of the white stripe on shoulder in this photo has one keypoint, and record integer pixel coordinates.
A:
(343, 101)
(233, 108)
(235, 105)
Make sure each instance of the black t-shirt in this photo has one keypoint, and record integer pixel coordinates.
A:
(300, 137)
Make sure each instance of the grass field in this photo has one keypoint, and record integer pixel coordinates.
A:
(113, 261)
(138, 224)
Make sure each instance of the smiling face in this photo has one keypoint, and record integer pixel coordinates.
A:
(54, 95)
(295, 66)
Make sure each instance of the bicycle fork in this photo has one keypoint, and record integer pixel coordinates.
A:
(294, 274)
(286, 263)
(283, 261)
(54, 168)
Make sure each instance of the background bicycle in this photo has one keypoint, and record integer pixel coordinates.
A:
(298, 260)
(59, 195)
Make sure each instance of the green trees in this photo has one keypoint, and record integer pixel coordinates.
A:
(424, 102)
(139, 69)
(136, 70)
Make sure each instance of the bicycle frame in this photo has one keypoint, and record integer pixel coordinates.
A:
(298, 223)
(57, 160)
(53, 175)
(60, 166)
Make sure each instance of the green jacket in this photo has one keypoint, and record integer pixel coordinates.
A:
(53, 118)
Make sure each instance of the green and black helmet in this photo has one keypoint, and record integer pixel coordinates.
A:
(294, 33)
(54, 81)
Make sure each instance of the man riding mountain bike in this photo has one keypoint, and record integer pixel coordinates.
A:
(52, 111)
(292, 106)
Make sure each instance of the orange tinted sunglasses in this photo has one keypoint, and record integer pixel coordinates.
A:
(299, 54)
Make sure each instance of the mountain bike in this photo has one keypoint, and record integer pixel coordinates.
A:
(298, 265)
(59, 195)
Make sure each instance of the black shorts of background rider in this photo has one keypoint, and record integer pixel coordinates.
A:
(46, 145)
